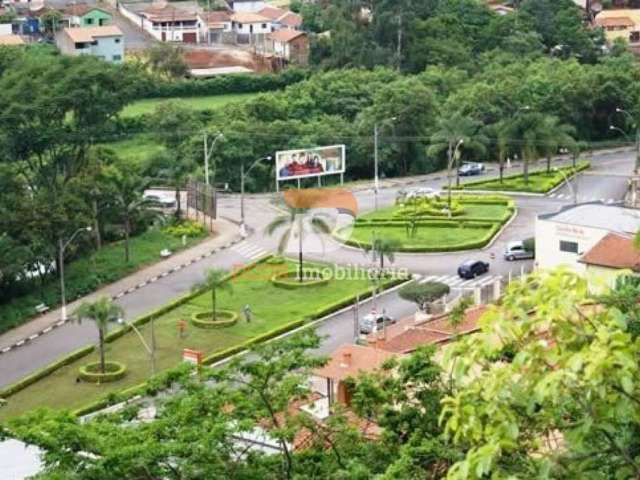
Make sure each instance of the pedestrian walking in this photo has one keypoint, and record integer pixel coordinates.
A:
(247, 313)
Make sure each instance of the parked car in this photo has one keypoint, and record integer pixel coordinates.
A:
(162, 202)
(375, 321)
(471, 168)
(518, 251)
(472, 268)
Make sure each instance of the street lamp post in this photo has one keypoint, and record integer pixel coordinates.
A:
(207, 154)
(574, 191)
(62, 246)
(243, 175)
(453, 154)
(637, 140)
(376, 179)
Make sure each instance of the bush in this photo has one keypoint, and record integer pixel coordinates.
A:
(225, 318)
(423, 293)
(187, 228)
(91, 373)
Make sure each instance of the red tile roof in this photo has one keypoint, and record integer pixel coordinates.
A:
(615, 22)
(349, 360)
(168, 13)
(272, 13)
(406, 336)
(215, 19)
(613, 251)
(285, 36)
(290, 19)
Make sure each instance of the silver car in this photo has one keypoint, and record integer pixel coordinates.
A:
(375, 321)
(517, 251)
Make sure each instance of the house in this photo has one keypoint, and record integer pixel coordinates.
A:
(290, 45)
(564, 238)
(103, 42)
(347, 362)
(83, 15)
(624, 23)
(410, 333)
(11, 40)
(612, 256)
(281, 19)
(215, 27)
(164, 22)
(250, 28)
(250, 6)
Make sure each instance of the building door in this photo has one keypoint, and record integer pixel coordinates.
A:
(189, 37)
(163, 36)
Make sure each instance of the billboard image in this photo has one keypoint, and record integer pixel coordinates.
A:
(310, 162)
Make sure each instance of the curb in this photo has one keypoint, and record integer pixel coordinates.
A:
(123, 293)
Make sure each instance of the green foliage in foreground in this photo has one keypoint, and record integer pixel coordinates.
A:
(86, 274)
(507, 402)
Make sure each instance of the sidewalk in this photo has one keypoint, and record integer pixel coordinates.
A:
(226, 235)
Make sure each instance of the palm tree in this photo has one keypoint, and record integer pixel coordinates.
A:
(215, 280)
(383, 247)
(101, 312)
(499, 133)
(529, 130)
(294, 222)
(453, 134)
(557, 135)
(127, 194)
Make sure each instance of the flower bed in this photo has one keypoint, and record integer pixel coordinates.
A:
(91, 373)
(224, 318)
(290, 279)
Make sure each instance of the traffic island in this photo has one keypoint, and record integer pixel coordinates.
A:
(291, 279)
(223, 318)
(92, 372)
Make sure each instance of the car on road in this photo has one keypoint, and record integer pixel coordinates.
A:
(472, 268)
(162, 202)
(471, 168)
(518, 251)
(375, 321)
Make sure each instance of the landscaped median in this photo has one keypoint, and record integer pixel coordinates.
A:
(539, 181)
(424, 226)
(275, 310)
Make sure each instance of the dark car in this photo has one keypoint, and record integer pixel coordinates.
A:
(472, 268)
(470, 168)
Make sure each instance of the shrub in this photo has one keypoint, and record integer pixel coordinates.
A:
(91, 373)
(423, 293)
(187, 228)
(224, 318)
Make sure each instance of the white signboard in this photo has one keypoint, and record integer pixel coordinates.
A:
(310, 162)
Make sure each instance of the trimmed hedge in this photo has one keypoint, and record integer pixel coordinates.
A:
(223, 84)
(493, 184)
(290, 281)
(88, 375)
(203, 319)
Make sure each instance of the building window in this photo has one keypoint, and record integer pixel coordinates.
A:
(569, 247)
(264, 26)
(89, 21)
(117, 40)
(117, 58)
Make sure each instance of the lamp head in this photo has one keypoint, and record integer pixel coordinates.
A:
(618, 109)
(89, 229)
(611, 127)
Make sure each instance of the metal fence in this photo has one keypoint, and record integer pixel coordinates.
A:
(201, 202)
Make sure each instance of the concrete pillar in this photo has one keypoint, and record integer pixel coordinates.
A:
(477, 295)
(497, 287)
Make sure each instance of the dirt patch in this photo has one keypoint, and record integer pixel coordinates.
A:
(229, 57)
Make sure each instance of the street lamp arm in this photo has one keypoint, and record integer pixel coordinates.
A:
(75, 234)
(268, 157)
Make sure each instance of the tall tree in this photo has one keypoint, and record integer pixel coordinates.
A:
(215, 280)
(101, 312)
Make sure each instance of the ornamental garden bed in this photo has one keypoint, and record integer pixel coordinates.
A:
(291, 279)
(113, 371)
(422, 228)
(539, 181)
(275, 310)
(224, 318)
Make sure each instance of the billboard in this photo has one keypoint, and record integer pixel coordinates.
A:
(310, 162)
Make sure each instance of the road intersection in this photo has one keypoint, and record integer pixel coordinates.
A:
(606, 181)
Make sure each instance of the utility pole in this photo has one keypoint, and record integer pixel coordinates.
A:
(375, 166)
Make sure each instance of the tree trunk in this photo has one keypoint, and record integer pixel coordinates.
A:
(450, 166)
(501, 166)
(381, 261)
(300, 248)
(525, 167)
(101, 340)
(574, 159)
(96, 225)
(127, 229)
(548, 163)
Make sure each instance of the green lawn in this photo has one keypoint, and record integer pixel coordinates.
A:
(87, 274)
(427, 237)
(137, 150)
(145, 106)
(271, 306)
(471, 210)
(539, 181)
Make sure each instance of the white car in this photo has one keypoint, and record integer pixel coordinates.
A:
(163, 202)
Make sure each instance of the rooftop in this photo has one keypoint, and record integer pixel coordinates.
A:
(81, 9)
(248, 17)
(614, 251)
(272, 13)
(349, 360)
(167, 13)
(597, 215)
(285, 35)
(88, 34)
(615, 22)
(215, 19)
(290, 19)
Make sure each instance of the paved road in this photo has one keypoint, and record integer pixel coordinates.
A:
(604, 182)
